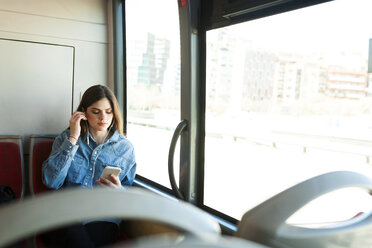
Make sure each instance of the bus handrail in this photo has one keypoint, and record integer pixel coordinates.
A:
(177, 133)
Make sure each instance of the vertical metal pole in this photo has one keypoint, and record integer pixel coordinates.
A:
(190, 99)
(119, 57)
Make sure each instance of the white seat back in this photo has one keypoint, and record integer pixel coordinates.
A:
(266, 223)
(55, 209)
(160, 241)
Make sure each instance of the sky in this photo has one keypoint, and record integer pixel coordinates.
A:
(154, 16)
(332, 27)
(335, 15)
(337, 25)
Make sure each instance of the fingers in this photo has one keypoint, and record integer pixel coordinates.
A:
(113, 181)
(101, 184)
(77, 116)
(75, 123)
(104, 181)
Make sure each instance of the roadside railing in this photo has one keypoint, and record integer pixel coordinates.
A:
(284, 139)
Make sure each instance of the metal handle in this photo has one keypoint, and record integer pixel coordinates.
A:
(179, 129)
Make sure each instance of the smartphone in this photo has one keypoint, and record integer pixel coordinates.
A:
(110, 170)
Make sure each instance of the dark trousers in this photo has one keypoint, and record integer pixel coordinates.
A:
(93, 234)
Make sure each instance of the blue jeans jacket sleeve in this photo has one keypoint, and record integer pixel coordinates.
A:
(55, 168)
(129, 178)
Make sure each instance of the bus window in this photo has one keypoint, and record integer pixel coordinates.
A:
(288, 97)
(153, 83)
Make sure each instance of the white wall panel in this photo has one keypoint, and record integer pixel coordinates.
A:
(36, 94)
(77, 32)
(52, 27)
(79, 10)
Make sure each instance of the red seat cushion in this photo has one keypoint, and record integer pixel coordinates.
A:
(11, 167)
(41, 152)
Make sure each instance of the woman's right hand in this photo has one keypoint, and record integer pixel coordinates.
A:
(75, 128)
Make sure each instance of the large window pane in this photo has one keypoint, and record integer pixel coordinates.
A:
(288, 98)
(153, 82)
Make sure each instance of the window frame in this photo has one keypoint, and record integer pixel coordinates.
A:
(196, 18)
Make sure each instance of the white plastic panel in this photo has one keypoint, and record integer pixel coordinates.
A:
(36, 82)
(80, 10)
(52, 27)
(78, 25)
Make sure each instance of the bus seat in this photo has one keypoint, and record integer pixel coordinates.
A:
(40, 148)
(11, 164)
(70, 206)
(188, 241)
(266, 223)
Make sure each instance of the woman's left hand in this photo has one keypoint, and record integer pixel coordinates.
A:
(113, 181)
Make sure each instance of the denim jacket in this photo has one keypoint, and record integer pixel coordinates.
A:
(82, 164)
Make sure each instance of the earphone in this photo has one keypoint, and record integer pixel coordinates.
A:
(108, 131)
(86, 122)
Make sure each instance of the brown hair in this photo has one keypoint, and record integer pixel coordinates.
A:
(96, 93)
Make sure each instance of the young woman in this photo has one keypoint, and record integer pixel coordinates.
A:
(80, 153)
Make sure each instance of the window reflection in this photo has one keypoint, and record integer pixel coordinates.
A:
(288, 97)
(153, 83)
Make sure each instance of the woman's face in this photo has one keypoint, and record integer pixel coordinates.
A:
(100, 115)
